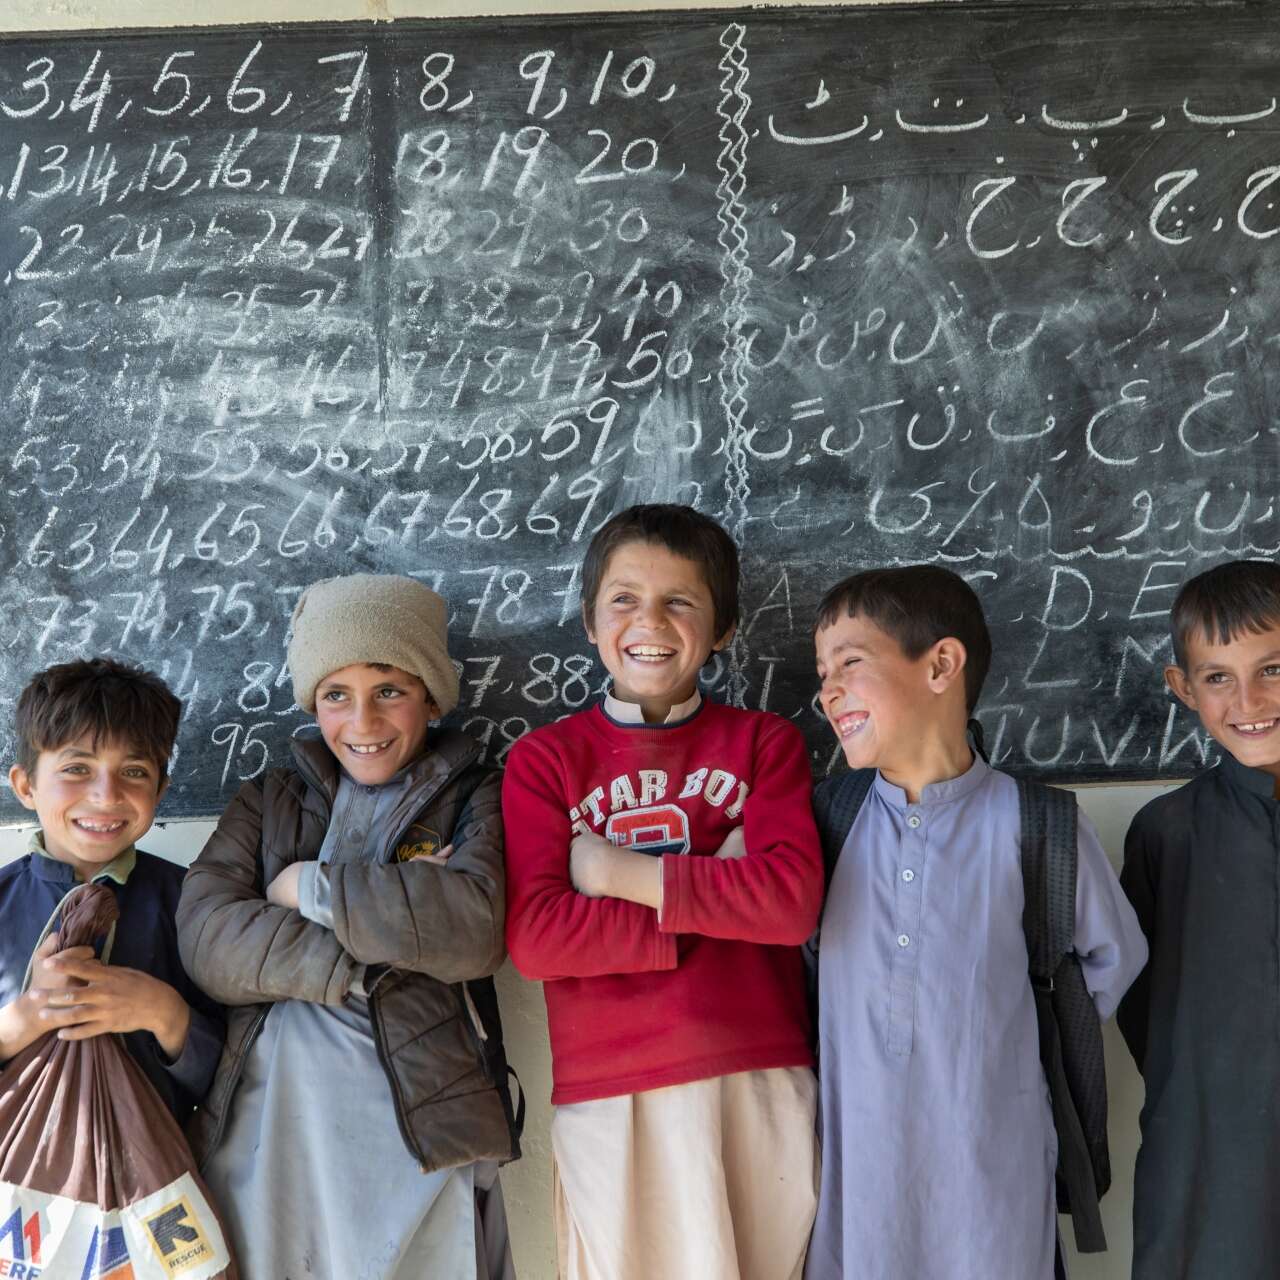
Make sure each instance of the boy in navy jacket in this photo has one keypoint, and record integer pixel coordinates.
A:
(93, 746)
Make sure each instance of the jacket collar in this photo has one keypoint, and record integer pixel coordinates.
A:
(47, 867)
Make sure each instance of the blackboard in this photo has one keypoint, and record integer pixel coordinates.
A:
(988, 286)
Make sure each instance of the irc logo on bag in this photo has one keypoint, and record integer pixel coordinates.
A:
(20, 1246)
(178, 1238)
(655, 829)
(108, 1256)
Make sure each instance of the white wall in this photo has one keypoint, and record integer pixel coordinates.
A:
(528, 1183)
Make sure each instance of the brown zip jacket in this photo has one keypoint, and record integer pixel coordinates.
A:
(422, 940)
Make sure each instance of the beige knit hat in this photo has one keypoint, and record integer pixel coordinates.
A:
(371, 617)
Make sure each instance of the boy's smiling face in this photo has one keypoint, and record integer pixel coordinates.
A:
(93, 800)
(374, 718)
(654, 626)
(1235, 690)
(874, 696)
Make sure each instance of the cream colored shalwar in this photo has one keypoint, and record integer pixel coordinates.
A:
(713, 1180)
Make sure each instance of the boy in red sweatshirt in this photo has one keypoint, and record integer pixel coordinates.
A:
(663, 869)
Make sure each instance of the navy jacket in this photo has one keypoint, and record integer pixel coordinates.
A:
(146, 939)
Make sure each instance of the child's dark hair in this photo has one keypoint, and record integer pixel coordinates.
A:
(1224, 603)
(682, 531)
(917, 605)
(101, 697)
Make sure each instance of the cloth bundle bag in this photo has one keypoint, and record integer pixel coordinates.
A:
(96, 1180)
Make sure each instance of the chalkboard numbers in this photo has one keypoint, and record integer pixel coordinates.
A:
(68, 627)
(630, 228)
(639, 156)
(535, 67)
(256, 694)
(635, 78)
(243, 99)
(245, 747)
(427, 164)
(436, 93)
(526, 145)
(86, 96)
(348, 92)
(230, 607)
(547, 103)
(497, 737)
(172, 88)
(40, 82)
(171, 81)
(547, 687)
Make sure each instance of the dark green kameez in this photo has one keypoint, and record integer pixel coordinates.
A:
(1202, 869)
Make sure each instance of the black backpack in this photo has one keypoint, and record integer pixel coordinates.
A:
(1070, 1030)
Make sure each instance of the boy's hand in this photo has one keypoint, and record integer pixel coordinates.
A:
(599, 869)
(734, 846)
(21, 1020)
(44, 972)
(438, 859)
(110, 998)
(283, 890)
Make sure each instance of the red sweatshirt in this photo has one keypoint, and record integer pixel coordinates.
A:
(717, 985)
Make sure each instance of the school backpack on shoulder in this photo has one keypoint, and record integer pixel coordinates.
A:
(1070, 1029)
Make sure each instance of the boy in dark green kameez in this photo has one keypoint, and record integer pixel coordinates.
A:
(1202, 869)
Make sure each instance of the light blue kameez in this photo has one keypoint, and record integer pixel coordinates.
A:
(938, 1147)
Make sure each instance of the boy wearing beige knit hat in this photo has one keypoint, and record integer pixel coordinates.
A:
(339, 625)
(351, 908)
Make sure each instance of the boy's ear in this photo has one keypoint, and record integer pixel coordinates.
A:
(1180, 686)
(20, 781)
(163, 787)
(946, 663)
(586, 625)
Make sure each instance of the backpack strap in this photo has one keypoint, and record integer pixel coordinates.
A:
(1049, 862)
(1049, 855)
(836, 804)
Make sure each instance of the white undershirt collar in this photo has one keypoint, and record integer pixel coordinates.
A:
(630, 712)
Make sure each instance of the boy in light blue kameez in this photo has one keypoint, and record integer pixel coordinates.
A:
(938, 1144)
